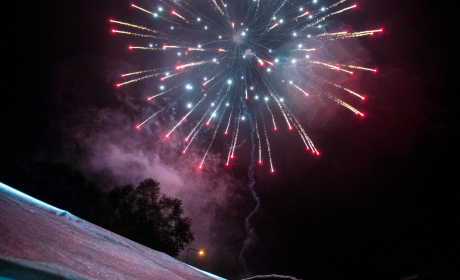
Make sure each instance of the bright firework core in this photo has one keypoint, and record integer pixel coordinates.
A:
(237, 38)
(285, 54)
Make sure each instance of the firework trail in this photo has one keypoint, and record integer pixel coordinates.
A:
(328, 15)
(217, 108)
(258, 136)
(271, 113)
(199, 125)
(234, 136)
(251, 233)
(268, 143)
(185, 117)
(306, 94)
(229, 119)
(212, 140)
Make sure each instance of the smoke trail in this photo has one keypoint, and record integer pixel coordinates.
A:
(252, 236)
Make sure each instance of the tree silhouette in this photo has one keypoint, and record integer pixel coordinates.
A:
(149, 217)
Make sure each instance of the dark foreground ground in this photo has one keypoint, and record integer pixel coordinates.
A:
(39, 241)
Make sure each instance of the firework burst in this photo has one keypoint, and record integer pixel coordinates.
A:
(237, 60)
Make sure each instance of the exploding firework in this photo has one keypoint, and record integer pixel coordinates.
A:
(254, 54)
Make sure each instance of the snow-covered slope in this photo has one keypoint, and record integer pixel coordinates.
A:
(40, 241)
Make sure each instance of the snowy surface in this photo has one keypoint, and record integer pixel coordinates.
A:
(39, 238)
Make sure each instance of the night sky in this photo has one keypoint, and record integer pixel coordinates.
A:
(381, 202)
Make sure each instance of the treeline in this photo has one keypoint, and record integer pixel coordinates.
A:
(140, 213)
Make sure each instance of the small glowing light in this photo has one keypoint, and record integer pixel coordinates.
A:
(220, 37)
(308, 35)
(225, 5)
(307, 56)
(155, 14)
(269, 51)
(189, 105)
(213, 114)
(290, 82)
(229, 82)
(281, 21)
(162, 87)
(268, 70)
(266, 98)
(167, 73)
(198, 19)
(151, 45)
(244, 56)
(323, 9)
(160, 9)
(201, 252)
(295, 33)
(199, 46)
(172, 27)
(276, 60)
(205, 78)
(281, 99)
(227, 104)
(251, 88)
(299, 46)
(243, 33)
(257, 97)
(314, 1)
(214, 59)
(293, 61)
(205, 27)
(319, 26)
(188, 87)
(274, 18)
(178, 53)
(212, 104)
(300, 9)
(242, 77)
(310, 16)
(243, 118)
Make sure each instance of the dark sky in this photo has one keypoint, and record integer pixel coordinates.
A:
(380, 202)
